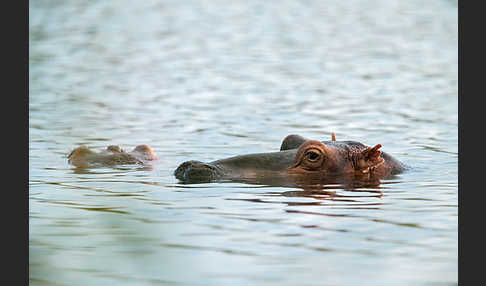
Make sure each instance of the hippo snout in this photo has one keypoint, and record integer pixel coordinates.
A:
(196, 171)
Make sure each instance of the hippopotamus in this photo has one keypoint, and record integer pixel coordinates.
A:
(299, 160)
(84, 157)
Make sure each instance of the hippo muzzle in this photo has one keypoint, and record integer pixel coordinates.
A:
(197, 171)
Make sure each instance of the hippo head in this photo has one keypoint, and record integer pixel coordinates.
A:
(83, 157)
(312, 160)
(314, 157)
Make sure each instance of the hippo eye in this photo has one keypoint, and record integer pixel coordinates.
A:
(312, 156)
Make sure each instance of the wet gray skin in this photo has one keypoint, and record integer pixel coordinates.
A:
(243, 166)
(272, 167)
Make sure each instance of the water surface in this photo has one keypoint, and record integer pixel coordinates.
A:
(206, 80)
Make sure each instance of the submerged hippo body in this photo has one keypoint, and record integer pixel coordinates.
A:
(298, 160)
(84, 157)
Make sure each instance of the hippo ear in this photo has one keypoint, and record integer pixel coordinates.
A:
(372, 154)
(369, 158)
(292, 141)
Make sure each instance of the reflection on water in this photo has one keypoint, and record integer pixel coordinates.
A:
(206, 80)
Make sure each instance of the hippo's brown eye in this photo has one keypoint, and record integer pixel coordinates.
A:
(312, 156)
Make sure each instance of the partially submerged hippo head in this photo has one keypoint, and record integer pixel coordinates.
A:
(84, 157)
(299, 159)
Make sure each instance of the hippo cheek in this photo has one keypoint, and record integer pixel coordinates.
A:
(196, 171)
(301, 172)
